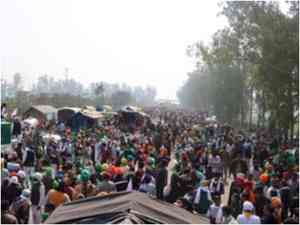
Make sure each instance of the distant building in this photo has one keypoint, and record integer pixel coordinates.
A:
(41, 112)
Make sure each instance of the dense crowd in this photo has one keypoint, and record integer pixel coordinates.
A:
(176, 156)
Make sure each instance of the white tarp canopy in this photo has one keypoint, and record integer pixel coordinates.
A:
(107, 108)
(93, 114)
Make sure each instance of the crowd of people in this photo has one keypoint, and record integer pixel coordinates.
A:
(177, 156)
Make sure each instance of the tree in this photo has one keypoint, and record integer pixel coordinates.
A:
(17, 82)
(99, 92)
(274, 37)
(4, 87)
(121, 98)
(261, 43)
(144, 96)
(215, 89)
(195, 93)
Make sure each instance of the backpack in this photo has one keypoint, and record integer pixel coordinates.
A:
(35, 193)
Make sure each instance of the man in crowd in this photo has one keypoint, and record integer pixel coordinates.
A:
(92, 162)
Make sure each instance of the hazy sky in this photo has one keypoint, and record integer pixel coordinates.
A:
(136, 42)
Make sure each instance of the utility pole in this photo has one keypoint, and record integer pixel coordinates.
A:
(67, 73)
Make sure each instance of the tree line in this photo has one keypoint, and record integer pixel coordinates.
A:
(249, 74)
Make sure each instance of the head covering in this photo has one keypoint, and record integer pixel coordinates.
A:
(118, 171)
(130, 157)
(44, 216)
(147, 179)
(264, 178)
(275, 202)
(38, 176)
(240, 175)
(199, 174)
(14, 180)
(205, 183)
(48, 172)
(105, 166)
(13, 174)
(151, 161)
(55, 184)
(21, 174)
(98, 168)
(248, 206)
(85, 175)
(124, 162)
(26, 193)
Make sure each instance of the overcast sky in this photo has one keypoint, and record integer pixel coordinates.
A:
(136, 42)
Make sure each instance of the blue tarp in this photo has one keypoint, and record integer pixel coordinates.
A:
(81, 121)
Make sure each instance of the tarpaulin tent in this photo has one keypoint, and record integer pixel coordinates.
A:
(131, 113)
(123, 207)
(41, 112)
(85, 118)
(66, 113)
(107, 111)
